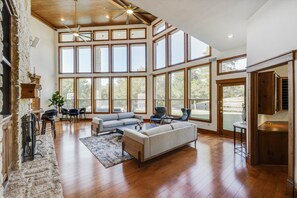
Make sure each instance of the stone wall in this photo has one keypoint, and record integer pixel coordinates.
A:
(20, 67)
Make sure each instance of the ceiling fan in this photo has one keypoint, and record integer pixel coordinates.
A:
(130, 11)
(75, 31)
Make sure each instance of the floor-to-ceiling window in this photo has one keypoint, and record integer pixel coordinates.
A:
(119, 94)
(177, 92)
(138, 94)
(159, 90)
(101, 95)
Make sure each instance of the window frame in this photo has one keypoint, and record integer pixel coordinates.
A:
(189, 50)
(76, 92)
(154, 26)
(169, 89)
(114, 30)
(168, 45)
(109, 59)
(112, 54)
(154, 52)
(77, 59)
(219, 62)
(85, 31)
(145, 34)
(96, 40)
(210, 91)
(60, 38)
(130, 93)
(109, 95)
(130, 57)
(112, 96)
(166, 89)
(60, 59)
(74, 87)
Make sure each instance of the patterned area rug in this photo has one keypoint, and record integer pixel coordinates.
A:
(37, 178)
(107, 148)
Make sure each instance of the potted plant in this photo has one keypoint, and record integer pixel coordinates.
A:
(57, 100)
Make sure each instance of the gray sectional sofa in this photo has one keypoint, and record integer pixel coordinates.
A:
(109, 122)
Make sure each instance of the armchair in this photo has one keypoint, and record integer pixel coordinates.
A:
(159, 115)
(186, 114)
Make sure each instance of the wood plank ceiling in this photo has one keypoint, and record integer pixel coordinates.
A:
(89, 12)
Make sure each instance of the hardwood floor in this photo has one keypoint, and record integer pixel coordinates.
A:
(213, 170)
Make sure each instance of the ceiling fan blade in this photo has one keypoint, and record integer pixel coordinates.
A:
(141, 19)
(78, 28)
(135, 8)
(119, 15)
(127, 19)
(120, 3)
(70, 30)
(80, 36)
(139, 12)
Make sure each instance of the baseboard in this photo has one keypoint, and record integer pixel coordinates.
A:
(291, 190)
(206, 131)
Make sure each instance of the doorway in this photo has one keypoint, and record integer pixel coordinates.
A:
(231, 104)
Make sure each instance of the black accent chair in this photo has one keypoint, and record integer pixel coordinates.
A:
(65, 113)
(82, 112)
(186, 115)
(49, 116)
(159, 115)
(73, 113)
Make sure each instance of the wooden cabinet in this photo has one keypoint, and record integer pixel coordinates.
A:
(268, 93)
(7, 146)
(273, 143)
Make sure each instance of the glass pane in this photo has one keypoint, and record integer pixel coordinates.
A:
(159, 103)
(138, 57)
(119, 58)
(120, 95)
(119, 34)
(159, 89)
(138, 94)
(101, 58)
(66, 37)
(67, 91)
(160, 54)
(161, 26)
(177, 47)
(84, 59)
(84, 93)
(199, 92)
(101, 35)
(197, 49)
(67, 62)
(85, 36)
(177, 92)
(233, 65)
(233, 99)
(137, 33)
(101, 94)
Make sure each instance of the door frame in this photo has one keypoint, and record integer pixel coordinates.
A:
(220, 85)
(252, 128)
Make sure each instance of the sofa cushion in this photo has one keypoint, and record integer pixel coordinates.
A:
(179, 125)
(126, 115)
(129, 121)
(108, 117)
(156, 130)
(112, 123)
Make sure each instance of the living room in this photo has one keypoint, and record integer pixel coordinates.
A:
(148, 104)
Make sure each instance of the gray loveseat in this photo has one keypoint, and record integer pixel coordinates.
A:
(109, 122)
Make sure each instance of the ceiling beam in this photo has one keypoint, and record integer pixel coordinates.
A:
(119, 3)
(141, 18)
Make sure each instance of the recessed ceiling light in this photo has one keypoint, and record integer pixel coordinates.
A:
(62, 19)
(230, 36)
(129, 11)
(107, 16)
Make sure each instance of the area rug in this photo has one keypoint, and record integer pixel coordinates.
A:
(107, 148)
(37, 178)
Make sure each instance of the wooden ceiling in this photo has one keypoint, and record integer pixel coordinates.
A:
(89, 13)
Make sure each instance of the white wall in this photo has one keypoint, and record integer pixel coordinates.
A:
(272, 30)
(43, 58)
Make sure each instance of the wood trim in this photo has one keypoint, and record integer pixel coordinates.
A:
(131, 29)
(108, 38)
(207, 131)
(113, 30)
(127, 50)
(94, 94)
(76, 93)
(189, 51)
(112, 97)
(77, 58)
(85, 31)
(154, 76)
(60, 40)
(219, 62)
(130, 57)
(169, 90)
(36, 16)
(154, 50)
(154, 26)
(94, 57)
(74, 87)
(273, 62)
(169, 34)
(130, 98)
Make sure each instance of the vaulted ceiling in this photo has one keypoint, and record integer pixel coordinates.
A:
(210, 21)
(89, 12)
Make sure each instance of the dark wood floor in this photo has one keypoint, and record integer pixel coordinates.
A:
(213, 170)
